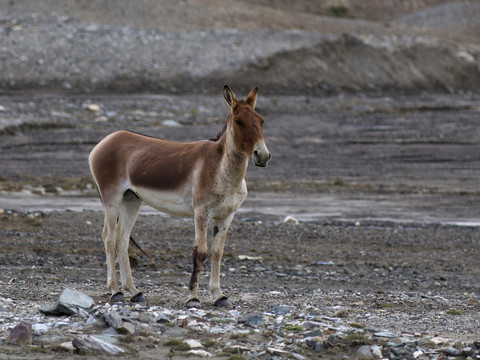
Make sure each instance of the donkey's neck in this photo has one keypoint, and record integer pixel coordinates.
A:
(234, 163)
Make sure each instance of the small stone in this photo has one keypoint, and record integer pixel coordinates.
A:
(438, 340)
(280, 309)
(376, 351)
(291, 220)
(198, 352)
(113, 319)
(277, 351)
(21, 334)
(171, 123)
(194, 344)
(364, 353)
(236, 349)
(385, 334)
(67, 346)
(110, 331)
(451, 351)
(126, 328)
(162, 319)
(249, 258)
(252, 320)
(101, 119)
(417, 354)
(298, 356)
(93, 107)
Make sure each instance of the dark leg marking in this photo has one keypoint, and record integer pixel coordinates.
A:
(198, 259)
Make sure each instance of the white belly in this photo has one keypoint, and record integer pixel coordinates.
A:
(180, 201)
(177, 203)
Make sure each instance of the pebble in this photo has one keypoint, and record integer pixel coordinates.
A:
(291, 220)
(113, 319)
(364, 353)
(249, 258)
(197, 352)
(93, 107)
(171, 123)
(385, 334)
(252, 320)
(194, 344)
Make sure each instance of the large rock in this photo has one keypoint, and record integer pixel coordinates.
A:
(70, 303)
(90, 344)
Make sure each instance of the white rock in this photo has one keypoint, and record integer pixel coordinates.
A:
(438, 340)
(364, 353)
(171, 123)
(250, 258)
(88, 344)
(298, 356)
(417, 354)
(93, 107)
(376, 351)
(291, 220)
(68, 346)
(201, 353)
(194, 344)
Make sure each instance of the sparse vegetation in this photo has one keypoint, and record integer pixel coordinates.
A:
(338, 11)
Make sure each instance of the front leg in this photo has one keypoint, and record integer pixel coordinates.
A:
(220, 230)
(199, 254)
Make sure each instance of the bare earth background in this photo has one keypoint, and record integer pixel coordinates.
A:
(372, 117)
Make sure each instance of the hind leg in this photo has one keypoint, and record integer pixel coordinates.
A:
(110, 243)
(128, 212)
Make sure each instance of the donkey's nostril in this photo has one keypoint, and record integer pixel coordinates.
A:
(255, 153)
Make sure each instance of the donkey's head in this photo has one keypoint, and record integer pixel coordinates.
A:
(247, 126)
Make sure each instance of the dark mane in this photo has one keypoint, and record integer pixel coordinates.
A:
(220, 134)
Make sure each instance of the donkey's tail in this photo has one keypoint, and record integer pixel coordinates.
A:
(139, 248)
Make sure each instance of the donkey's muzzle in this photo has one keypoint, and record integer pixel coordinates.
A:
(261, 159)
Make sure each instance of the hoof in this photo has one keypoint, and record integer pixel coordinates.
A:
(117, 298)
(193, 303)
(223, 302)
(138, 298)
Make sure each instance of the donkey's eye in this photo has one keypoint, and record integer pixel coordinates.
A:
(239, 122)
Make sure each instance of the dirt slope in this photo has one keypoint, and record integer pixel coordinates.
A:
(193, 46)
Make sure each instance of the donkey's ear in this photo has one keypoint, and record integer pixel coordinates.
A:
(252, 97)
(229, 96)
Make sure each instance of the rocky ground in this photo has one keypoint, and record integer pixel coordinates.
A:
(325, 290)
(382, 174)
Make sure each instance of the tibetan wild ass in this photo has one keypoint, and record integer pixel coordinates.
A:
(203, 179)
